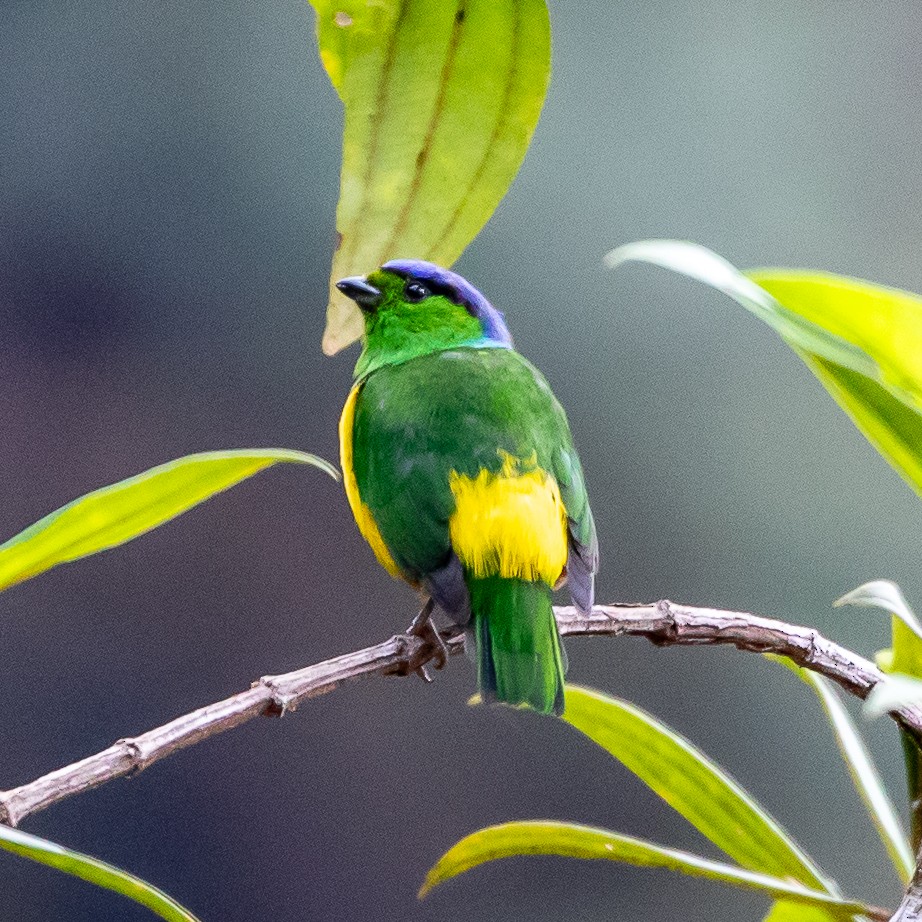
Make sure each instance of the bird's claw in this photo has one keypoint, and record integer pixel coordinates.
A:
(434, 649)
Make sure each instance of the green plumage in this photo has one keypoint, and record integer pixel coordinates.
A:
(520, 658)
(444, 408)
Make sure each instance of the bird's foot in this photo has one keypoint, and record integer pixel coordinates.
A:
(433, 651)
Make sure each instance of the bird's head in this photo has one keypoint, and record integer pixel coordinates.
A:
(413, 308)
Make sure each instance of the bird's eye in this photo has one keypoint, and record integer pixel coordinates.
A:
(415, 291)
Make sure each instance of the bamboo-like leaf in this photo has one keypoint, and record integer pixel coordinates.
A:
(882, 593)
(864, 774)
(862, 341)
(896, 691)
(115, 514)
(784, 911)
(574, 841)
(95, 871)
(884, 323)
(441, 98)
(903, 657)
(693, 785)
(706, 266)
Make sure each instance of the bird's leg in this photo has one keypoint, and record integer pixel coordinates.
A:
(423, 627)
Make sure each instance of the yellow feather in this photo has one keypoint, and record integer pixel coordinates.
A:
(510, 523)
(363, 517)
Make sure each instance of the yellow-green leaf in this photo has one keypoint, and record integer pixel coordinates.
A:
(784, 911)
(693, 785)
(574, 841)
(95, 871)
(905, 658)
(862, 341)
(885, 323)
(115, 514)
(866, 778)
(441, 98)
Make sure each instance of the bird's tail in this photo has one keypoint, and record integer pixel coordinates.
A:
(520, 659)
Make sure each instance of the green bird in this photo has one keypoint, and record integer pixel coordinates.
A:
(460, 470)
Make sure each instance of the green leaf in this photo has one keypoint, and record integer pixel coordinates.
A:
(864, 774)
(907, 631)
(884, 323)
(693, 785)
(891, 426)
(897, 691)
(861, 340)
(95, 871)
(115, 514)
(904, 657)
(704, 265)
(574, 841)
(794, 912)
(441, 99)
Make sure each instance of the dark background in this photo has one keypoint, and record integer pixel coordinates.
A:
(168, 179)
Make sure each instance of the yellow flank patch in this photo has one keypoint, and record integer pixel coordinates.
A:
(511, 522)
(363, 517)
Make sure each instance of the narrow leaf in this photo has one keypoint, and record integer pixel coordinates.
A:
(693, 785)
(115, 514)
(574, 841)
(894, 428)
(706, 266)
(783, 911)
(441, 98)
(95, 871)
(861, 340)
(884, 323)
(882, 593)
(896, 691)
(864, 774)
(904, 657)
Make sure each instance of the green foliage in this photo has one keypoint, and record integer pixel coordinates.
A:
(904, 661)
(95, 871)
(570, 840)
(861, 340)
(115, 514)
(441, 98)
(864, 774)
(692, 784)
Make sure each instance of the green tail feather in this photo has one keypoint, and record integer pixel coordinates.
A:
(520, 659)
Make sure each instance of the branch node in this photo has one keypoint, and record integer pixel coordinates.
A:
(135, 756)
(662, 623)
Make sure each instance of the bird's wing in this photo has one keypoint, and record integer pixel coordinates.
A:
(583, 559)
(422, 425)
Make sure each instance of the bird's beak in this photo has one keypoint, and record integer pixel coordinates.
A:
(366, 296)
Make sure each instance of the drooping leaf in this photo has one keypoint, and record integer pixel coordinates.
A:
(864, 773)
(706, 266)
(441, 98)
(574, 841)
(884, 323)
(897, 691)
(784, 911)
(115, 514)
(693, 785)
(862, 341)
(95, 871)
(903, 657)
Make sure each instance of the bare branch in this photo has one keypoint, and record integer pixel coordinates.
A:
(663, 623)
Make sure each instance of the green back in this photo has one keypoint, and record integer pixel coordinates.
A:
(456, 410)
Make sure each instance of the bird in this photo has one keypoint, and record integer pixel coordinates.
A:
(460, 470)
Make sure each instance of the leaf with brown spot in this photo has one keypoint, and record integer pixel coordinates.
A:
(441, 99)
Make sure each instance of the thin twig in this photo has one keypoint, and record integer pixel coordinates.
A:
(663, 623)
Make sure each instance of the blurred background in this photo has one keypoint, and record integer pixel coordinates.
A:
(168, 181)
